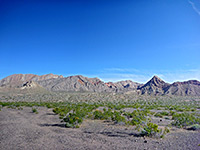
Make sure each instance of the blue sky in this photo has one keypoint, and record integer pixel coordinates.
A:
(110, 39)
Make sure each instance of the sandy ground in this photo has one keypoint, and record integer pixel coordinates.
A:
(24, 130)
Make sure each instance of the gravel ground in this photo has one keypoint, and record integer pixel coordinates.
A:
(24, 130)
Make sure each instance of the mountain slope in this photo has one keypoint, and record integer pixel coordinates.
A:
(75, 83)
(19, 79)
(155, 86)
(191, 87)
(79, 83)
(124, 86)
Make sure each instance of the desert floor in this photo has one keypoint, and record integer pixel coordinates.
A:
(24, 130)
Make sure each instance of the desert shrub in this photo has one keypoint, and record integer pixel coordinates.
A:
(150, 129)
(152, 113)
(171, 112)
(194, 127)
(20, 108)
(161, 114)
(137, 117)
(184, 119)
(108, 115)
(72, 120)
(117, 117)
(166, 130)
(34, 110)
(158, 115)
(61, 110)
(73, 114)
(193, 109)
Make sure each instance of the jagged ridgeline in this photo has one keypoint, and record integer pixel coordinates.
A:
(79, 83)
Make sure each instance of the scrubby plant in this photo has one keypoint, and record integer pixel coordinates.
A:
(20, 108)
(34, 110)
(136, 117)
(117, 117)
(161, 114)
(184, 119)
(194, 127)
(150, 129)
(72, 120)
(166, 130)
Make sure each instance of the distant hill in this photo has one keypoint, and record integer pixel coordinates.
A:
(79, 83)
(191, 87)
(19, 79)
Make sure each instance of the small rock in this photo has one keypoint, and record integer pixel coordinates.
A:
(145, 141)
(160, 119)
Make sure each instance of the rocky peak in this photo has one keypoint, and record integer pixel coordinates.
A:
(156, 81)
(155, 86)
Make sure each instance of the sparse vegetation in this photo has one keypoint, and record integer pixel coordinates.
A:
(150, 129)
(34, 110)
(185, 119)
(136, 113)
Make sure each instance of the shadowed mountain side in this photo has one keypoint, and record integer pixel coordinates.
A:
(155, 86)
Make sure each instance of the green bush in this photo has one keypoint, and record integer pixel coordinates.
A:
(137, 117)
(150, 129)
(184, 119)
(34, 110)
(161, 114)
(72, 120)
(117, 117)
(166, 130)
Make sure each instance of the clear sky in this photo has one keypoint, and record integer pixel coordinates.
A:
(110, 39)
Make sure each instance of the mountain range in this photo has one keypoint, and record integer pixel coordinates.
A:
(79, 83)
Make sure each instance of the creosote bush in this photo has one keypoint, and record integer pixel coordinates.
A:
(150, 129)
(34, 110)
(185, 119)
